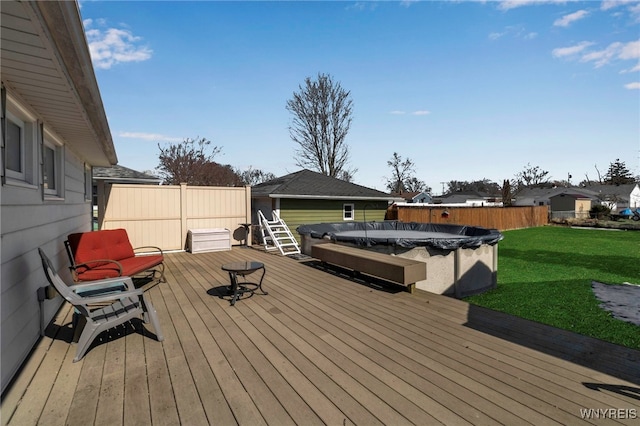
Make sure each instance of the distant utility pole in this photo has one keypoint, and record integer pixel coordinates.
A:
(442, 193)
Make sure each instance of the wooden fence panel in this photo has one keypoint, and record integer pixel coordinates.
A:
(162, 215)
(501, 218)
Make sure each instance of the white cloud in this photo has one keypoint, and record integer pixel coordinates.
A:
(633, 7)
(567, 20)
(635, 11)
(562, 52)
(362, 6)
(631, 50)
(636, 68)
(512, 4)
(148, 137)
(603, 57)
(408, 3)
(516, 31)
(615, 51)
(396, 112)
(610, 4)
(113, 46)
(633, 86)
(421, 112)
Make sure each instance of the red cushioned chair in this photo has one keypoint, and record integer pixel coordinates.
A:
(108, 253)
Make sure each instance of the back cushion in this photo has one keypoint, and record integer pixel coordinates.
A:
(87, 246)
(106, 244)
(117, 244)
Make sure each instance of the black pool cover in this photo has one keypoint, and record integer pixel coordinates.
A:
(408, 235)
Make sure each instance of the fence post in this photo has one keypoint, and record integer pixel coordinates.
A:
(247, 214)
(183, 211)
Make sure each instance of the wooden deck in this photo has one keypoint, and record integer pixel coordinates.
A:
(320, 349)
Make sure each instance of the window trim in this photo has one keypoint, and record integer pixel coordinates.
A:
(30, 144)
(13, 174)
(352, 212)
(88, 183)
(52, 142)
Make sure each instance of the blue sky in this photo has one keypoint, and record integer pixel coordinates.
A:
(467, 90)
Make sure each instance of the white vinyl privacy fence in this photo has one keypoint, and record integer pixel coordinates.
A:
(162, 215)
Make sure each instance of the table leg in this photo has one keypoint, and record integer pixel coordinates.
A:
(264, 271)
(233, 277)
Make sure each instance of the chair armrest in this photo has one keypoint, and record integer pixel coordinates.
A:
(83, 301)
(150, 249)
(126, 282)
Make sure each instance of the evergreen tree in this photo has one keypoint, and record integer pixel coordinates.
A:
(618, 174)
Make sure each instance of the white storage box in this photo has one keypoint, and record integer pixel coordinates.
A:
(205, 240)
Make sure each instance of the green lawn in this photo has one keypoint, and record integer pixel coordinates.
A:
(545, 274)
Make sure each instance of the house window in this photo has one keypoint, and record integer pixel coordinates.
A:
(88, 184)
(348, 212)
(15, 159)
(21, 159)
(52, 166)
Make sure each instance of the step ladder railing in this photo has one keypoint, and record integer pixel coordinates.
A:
(276, 235)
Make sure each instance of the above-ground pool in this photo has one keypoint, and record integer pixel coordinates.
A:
(460, 260)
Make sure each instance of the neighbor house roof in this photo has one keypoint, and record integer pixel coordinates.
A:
(310, 184)
(535, 195)
(611, 191)
(573, 195)
(46, 64)
(411, 196)
(121, 174)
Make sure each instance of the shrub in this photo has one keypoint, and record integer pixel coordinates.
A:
(599, 211)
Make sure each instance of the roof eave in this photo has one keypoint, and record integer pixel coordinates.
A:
(60, 29)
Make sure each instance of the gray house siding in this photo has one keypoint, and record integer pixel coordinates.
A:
(29, 222)
(55, 127)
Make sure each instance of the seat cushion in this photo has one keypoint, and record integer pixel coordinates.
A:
(131, 266)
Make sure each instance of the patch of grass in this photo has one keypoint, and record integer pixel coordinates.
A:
(545, 274)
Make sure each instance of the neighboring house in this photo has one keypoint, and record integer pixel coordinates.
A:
(104, 177)
(634, 197)
(569, 205)
(617, 197)
(414, 197)
(308, 197)
(542, 196)
(469, 198)
(54, 130)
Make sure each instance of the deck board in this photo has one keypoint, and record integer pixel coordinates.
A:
(318, 349)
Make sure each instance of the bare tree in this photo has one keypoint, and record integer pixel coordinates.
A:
(189, 162)
(253, 176)
(413, 184)
(402, 174)
(532, 176)
(346, 175)
(322, 112)
(484, 185)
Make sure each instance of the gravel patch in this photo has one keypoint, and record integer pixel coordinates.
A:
(622, 300)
